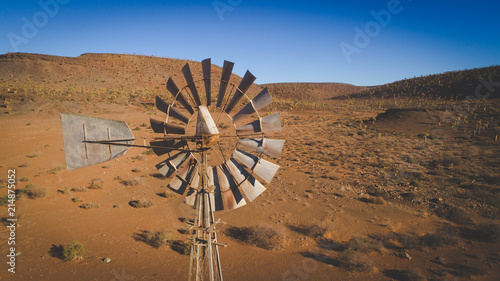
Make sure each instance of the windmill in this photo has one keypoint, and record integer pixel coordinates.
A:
(195, 145)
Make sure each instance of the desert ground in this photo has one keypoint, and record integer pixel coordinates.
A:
(371, 186)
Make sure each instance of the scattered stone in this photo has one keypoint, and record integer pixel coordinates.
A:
(106, 260)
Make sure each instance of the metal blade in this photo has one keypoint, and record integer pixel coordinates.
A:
(190, 82)
(260, 101)
(206, 65)
(193, 189)
(216, 195)
(251, 187)
(165, 128)
(227, 69)
(170, 110)
(170, 145)
(174, 90)
(181, 181)
(169, 166)
(191, 196)
(245, 84)
(231, 196)
(262, 168)
(269, 147)
(266, 124)
(78, 128)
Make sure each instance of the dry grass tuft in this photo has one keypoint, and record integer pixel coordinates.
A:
(159, 239)
(363, 244)
(141, 204)
(353, 261)
(267, 237)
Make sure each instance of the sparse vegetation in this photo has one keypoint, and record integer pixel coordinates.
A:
(31, 191)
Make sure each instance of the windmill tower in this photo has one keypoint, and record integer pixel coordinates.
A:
(195, 138)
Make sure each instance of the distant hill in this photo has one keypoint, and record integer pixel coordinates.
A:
(448, 85)
(126, 76)
(312, 91)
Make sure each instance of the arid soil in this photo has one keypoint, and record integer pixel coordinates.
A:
(333, 165)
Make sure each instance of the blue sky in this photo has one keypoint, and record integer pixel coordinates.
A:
(278, 41)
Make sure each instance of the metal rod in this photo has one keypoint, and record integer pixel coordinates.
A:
(143, 146)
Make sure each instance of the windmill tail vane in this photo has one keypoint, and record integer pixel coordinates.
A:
(187, 150)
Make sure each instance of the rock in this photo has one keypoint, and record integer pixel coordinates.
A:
(106, 260)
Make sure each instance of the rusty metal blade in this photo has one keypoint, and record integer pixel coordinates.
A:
(170, 145)
(262, 168)
(245, 84)
(250, 186)
(170, 165)
(190, 82)
(269, 147)
(206, 65)
(227, 69)
(216, 195)
(173, 112)
(266, 124)
(162, 127)
(260, 101)
(79, 128)
(174, 90)
(231, 196)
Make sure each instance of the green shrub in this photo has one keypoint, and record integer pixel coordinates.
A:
(75, 250)
(159, 239)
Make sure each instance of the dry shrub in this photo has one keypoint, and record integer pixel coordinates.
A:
(454, 214)
(132, 182)
(405, 275)
(313, 230)
(485, 232)
(88, 206)
(353, 261)
(140, 204)
(159, 239)
(377, 200)
(31, 191)
(263, 236)
(363, 244)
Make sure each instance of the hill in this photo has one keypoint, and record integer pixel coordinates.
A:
(448, 85)
(312, 91)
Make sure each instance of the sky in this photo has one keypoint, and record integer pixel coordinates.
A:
(357, 42)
